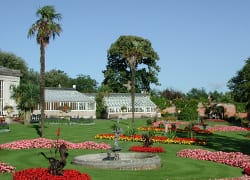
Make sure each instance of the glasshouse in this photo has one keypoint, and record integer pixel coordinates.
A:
(118, 105)
(68, 102)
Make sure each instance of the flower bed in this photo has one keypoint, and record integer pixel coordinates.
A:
(42, 174)
(159, 139)
(48, 143)
(146, 149)
(157, 129)
(236, 159)
(6, 168)
(227, 128)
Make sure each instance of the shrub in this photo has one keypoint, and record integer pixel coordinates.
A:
(149, 122)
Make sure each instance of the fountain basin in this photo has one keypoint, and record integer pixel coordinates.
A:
(126, 161)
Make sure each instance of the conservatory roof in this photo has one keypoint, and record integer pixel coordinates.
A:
(65, 95)
(124, 99)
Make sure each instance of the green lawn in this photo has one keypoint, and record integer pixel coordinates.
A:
(173, 167)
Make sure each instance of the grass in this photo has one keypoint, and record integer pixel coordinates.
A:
(173, 167)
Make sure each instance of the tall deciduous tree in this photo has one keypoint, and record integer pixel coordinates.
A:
(240, 85)
(11, 61)
(142, 56)
(131, 59)
(85, 84)
(171, 94)
(44, 28)
(198, 94)
(55, 78)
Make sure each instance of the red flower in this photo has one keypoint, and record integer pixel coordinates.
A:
(247, 171)
(146, 149)
(42, 174)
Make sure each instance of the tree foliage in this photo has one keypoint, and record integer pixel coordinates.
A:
(85, 84)
(240, 85)
(55, 78)
(171, 94)
(32, 77)
(27, 97)
(221, 97)
(11, 61)
(118, 70)
(187, 109)
(159, 101)
(198, 94)
(103, 91)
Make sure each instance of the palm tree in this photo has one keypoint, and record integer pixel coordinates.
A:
(44, 28)
(134, 54)
(131, 58)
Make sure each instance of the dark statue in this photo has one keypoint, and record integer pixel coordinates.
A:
(113, 153)
(147, 140)
(56, 165)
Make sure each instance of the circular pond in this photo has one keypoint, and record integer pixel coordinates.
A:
(126, 161)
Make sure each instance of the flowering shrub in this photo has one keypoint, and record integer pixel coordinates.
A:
(48, 143)
(159, 139)
(236, 159)
(42, 174)
(146, 149)
(6, 168)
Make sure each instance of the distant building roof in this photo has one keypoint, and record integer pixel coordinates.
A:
(124, 99)
(65, 94)
(9, 72)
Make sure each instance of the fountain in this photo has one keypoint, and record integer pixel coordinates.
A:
(113, 153)
(127, 161)
(114, 159)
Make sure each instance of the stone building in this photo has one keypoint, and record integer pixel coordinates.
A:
(8, 79)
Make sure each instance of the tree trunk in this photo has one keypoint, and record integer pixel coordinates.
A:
(42, 85)
(132, 62)
(27, 117)
(133, 95)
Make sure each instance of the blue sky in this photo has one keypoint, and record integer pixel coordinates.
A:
(201, 43)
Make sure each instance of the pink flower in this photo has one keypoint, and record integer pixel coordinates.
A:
(226, 128)
(6, 168)
(236, 159)
(48, 143)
